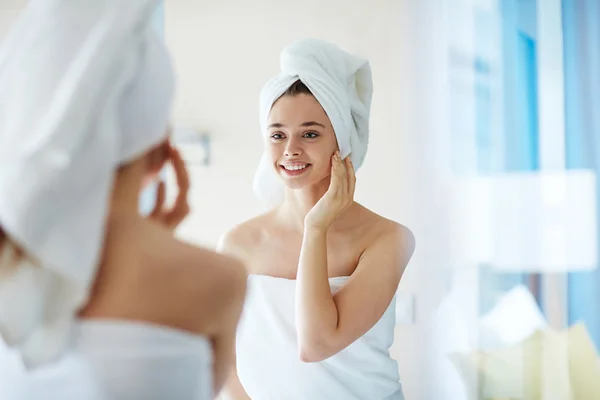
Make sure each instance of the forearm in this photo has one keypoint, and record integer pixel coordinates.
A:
(316, 312)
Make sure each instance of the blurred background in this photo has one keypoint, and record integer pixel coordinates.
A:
(485, 141)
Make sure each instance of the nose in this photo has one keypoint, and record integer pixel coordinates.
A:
(292, 148)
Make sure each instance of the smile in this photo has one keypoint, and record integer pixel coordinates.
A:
(295, 169)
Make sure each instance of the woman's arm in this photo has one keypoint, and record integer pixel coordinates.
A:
(232, 389)
(316, 311)
(328, 323)
(224, 339)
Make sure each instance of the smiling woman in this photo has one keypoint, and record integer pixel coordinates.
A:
(319, 318)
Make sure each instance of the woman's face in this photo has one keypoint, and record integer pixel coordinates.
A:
(301, 140)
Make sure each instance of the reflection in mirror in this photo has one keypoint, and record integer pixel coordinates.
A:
(324, 238)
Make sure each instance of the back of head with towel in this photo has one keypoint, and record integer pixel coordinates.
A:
(85, 87)
(75, 104)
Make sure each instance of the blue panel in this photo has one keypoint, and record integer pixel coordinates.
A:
(527, 156)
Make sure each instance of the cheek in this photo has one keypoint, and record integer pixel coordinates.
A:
(322, 154)
(274, 150)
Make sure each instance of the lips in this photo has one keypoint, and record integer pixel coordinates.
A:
(294, 169)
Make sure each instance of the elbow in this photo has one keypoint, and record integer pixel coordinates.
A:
(308, 355)
(312, 352)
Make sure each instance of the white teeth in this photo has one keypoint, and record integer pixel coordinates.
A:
(295, 167)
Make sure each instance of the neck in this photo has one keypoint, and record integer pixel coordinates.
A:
(298, 202)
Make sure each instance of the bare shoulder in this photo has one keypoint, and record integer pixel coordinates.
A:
(149, 275)
(193, 260)
(399, 235)
(385, 233)
(188, 272)
(247, 235)
(209, 286)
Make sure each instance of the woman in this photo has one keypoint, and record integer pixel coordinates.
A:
(319, 317)
(100, 302)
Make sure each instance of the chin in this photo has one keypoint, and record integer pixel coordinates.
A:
(294, 182)
(303, 182)
(295, 185)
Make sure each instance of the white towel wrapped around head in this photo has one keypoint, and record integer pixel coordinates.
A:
(85, 86)
(341, 83)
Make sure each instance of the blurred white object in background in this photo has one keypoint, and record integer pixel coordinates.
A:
(515, 317)
(193, 145)
(543, 221)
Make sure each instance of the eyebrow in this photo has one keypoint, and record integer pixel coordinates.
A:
(304, 124)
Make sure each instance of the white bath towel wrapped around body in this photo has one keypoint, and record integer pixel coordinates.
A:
(267, 352)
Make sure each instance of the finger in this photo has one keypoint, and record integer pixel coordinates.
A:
(160, 200)
(351, 176)
(336, 183)
(182, 177)
(177, 215)
(181, 173)
(343, 176)
(181, 207)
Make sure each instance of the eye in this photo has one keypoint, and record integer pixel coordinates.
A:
(277, 136)
(311, 135)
